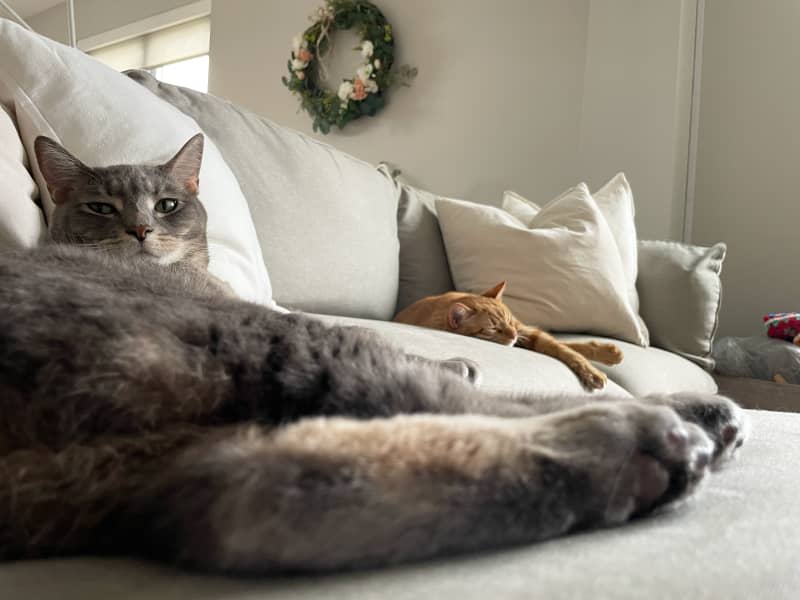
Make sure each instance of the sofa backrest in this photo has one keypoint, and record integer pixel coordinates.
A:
(326, 221)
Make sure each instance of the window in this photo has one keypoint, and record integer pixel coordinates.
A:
(177, 54)
(191, 73)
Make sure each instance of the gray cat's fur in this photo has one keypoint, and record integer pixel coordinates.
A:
(141, 411)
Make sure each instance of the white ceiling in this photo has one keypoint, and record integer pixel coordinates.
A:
(27, 8)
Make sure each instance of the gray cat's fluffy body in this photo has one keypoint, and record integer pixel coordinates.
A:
(142, 411)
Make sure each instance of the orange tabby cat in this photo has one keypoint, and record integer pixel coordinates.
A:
(488, 318)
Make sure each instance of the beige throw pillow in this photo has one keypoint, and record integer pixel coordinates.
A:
(563, 269)
(615, 200)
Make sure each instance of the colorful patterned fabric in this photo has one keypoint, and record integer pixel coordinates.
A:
(784, 326)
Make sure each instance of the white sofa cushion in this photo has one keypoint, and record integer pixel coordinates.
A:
(104, 118)
(21, 220)
(563, 270)
(327, 221)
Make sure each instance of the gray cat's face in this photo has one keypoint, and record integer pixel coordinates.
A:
(141, 211)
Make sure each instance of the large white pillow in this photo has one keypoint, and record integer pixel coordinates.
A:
(615, 200)
(563, 269)
(21, 220)
(104, 118)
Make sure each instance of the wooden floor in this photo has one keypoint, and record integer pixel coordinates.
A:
(756, 393)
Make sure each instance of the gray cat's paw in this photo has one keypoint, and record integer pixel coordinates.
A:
(465, 367)
(722, 419)
(634, 457)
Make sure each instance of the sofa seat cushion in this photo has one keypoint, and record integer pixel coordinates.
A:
(652, 370)
(739, 539)
(514, 370)
(504, 370)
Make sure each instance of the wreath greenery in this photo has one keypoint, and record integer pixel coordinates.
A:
(364, 93)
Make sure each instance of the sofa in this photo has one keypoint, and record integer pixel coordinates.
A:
(347, 242)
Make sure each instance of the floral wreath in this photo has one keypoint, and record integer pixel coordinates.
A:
(356, 97)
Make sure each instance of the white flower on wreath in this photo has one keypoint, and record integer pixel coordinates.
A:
(299, 43)
(377, 64)
(370, 86)
(345, 89)
(298, 65)
(323, 13)
(367, 48)
(364, 72)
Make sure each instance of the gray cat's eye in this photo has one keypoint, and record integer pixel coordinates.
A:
(166, 205)
(101, 208)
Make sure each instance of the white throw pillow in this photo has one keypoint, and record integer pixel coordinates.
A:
(104, 118)
(520, 207)
(615, 200)
(563, 269)
(21, 220)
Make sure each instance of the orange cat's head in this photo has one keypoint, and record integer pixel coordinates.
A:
(484, 317)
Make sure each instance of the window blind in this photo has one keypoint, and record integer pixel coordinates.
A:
(161, 47)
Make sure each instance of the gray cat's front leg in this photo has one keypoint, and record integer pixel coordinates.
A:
(332, 493)
(724, 421)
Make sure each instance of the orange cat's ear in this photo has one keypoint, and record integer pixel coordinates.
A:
(496, 292)
(457, 314)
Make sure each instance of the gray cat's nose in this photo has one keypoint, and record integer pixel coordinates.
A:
(139, 232)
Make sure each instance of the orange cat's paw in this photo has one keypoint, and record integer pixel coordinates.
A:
(590, 377)
(609, 354)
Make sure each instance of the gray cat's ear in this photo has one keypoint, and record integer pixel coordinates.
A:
(457, 314)
(61, 170)
(496, 292)
(185, 165)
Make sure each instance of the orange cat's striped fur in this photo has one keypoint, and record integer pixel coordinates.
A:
(488, 318)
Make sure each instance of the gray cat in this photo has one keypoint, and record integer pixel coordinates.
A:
(144, 412)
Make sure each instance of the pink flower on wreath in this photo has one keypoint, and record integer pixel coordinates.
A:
(300, 75)
(359, 92)
(305, 55)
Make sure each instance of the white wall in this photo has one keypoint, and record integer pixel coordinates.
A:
(496, 104)
(636, 105)
(531, 95)
(748, 155)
